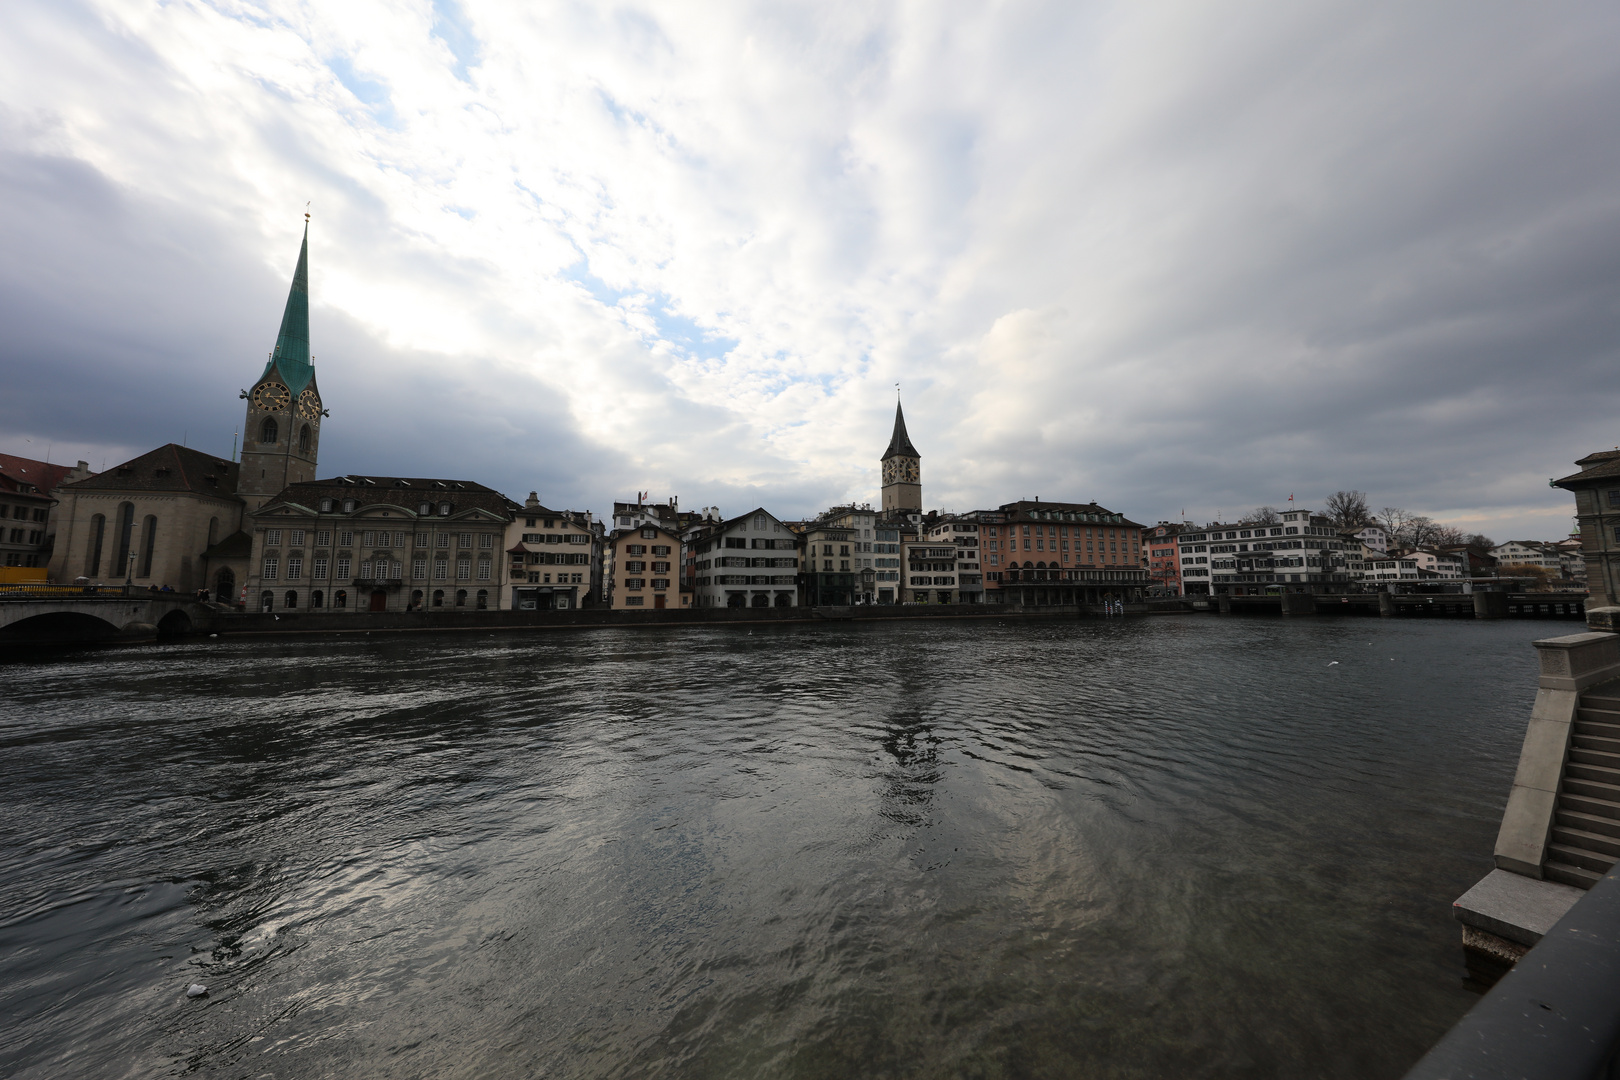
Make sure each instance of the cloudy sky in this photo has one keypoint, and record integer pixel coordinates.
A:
(1175, 257)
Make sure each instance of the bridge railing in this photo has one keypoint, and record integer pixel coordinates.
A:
(1556, 1015)
(57, 594)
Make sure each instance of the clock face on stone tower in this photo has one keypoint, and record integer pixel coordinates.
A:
(309, 406)
(271, 397)
(899, 470)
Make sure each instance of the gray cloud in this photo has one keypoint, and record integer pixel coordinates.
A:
(1169, 257)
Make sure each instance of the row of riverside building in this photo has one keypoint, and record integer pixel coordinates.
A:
(1303, 551)
(265, 532)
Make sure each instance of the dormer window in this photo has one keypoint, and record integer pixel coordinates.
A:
(348, 506)
(444, 509)
(326, 506)
(426, 510)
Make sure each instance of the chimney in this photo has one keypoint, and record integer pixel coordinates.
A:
(533, 501)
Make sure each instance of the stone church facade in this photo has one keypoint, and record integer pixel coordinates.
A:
(179, 518)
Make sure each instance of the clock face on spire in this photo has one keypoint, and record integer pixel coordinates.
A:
(271, 396)
(900, 470)
(309, 405)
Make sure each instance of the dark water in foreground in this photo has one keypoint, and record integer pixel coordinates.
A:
(1154, 848)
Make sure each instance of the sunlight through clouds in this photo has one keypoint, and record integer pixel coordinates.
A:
(1157, 255)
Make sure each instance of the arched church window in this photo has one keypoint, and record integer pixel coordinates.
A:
(269, 432)
(148, 542)
(92, 564)
(126, 526)
(303, 439)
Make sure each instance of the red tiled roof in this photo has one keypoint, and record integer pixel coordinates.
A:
(42, 474)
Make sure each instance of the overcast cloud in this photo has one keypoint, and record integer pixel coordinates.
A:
(1170, 256)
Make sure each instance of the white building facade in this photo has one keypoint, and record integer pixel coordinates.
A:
(1528, 553)
(748, 561)
(1301, 551)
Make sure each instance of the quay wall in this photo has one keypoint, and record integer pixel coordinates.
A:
(585, 618)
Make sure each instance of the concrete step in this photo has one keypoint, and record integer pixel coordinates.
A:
(1595, 742)
(1570, 875)
(1579, 785)
(1603, 774)
(1594, 757)
(1574, 856)
(1605, 847)
(1592, 823)
(1602, 731)
(1595, 805)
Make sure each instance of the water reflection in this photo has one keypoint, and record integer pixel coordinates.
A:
(1187, 847)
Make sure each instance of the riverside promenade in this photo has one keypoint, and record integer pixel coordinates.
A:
(58, 616)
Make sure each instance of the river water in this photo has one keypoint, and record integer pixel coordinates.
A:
(1172, 847)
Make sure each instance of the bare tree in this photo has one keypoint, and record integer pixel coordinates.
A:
(1348, 509)
(1480, 542)
(1425, 531)
(1261, 515)
(1450, 536)
(1394, 519)
(1539, 576)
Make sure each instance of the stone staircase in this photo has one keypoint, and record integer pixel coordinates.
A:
(1585, 840)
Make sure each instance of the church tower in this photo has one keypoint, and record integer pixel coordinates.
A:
(902, 471)
(283, 427)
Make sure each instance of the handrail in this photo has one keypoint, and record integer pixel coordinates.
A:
(29, 592)
(1555, 1016)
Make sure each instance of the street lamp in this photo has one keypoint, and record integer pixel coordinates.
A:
(129, 579)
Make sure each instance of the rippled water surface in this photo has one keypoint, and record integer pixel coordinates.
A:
(1174, 847)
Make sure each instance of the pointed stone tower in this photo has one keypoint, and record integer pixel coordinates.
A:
(902, 471)
(283, 428)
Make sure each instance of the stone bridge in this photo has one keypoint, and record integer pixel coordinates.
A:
(46, 614)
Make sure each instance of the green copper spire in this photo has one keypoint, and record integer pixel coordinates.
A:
(291, 356)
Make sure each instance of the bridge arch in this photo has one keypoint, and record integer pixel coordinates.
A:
(54, 627)
(175, 622)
